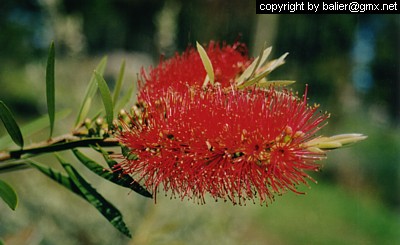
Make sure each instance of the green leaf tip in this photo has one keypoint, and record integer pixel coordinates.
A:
(254, 66)
(50, 87)
(257, 71)
(75, 183)
(114, 176)
(108, 210)
(119, 83)
(10, 167)
(11, 125)
(207, 65)
(55, 175)
(106, 97)
(90, 93)
(8, 195)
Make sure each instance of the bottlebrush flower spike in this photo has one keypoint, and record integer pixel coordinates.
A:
(187, 70)
(234, 145)
(230, 66)
(237, 139)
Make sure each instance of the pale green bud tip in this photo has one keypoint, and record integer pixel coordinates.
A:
(99, 121)
(87, 123)
(122, 113)
(333, 142)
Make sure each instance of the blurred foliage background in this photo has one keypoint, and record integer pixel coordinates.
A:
(351, 63)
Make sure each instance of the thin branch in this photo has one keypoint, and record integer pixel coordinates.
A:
(61, 143)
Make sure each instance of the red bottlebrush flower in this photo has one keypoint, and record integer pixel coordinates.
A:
(187, 69)
(212, 124)
(235, 145)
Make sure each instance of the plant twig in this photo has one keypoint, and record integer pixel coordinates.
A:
(64, 142)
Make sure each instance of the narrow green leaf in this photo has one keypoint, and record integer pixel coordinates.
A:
(75, 183)
(11, 125)
(206, 63)
(267, 84)
(126, 98)
(277, 62)
(33, 127)
(263, 56)
(259, 61)
(126, 152)
(106, 97)
(50, 88)
(254, 80)
(91, 164)
(56, 176)
(267, 69)
(250, 70)
(119, 83)
(109, 211)
(90, 92)
(116, 177)
(4, 168)
(1, 242)
(8, 195)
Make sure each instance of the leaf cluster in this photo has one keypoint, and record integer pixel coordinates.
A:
(93, 133)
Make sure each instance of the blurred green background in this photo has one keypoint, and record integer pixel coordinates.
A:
(351, 63)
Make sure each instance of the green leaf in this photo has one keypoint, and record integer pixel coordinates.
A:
(119, 83)
(11, 125)
(33, 127)
(109, 211)
(56, 176)
(268, 68)
(276, 63)
(126, 98)
(4, 168)
(116, 177)
(251, 69)
(90, 92)
(267, 84)
(50, 89)
(91, 164)
(106, 97)
(75, 183)
(126, 152)
(206, 63)
(8, 195)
